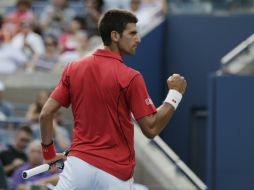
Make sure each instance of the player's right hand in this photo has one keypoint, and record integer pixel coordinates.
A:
(59, 156)
(177, 82)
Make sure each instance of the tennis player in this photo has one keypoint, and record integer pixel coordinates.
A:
(103, 92)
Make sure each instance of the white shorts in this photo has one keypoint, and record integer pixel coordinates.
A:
(79, 175)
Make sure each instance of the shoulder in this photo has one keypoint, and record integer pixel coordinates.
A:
(80, 62)
(126, 75)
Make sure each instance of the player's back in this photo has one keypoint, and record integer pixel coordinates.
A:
(103, 126)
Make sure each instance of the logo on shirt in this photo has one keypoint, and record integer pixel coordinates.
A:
(148, 101)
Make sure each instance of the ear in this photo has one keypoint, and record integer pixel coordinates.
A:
(115, 36)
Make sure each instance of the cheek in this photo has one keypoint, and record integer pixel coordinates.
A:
(126, 44)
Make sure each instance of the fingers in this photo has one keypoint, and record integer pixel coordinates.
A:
(62, 156)
(57, 157)
(177, 82)
(57, 162)
(176, 77)
(53, 168)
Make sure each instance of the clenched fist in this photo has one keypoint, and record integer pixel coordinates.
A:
(177, 82)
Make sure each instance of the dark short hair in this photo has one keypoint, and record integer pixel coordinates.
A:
(114, 20)
(81, 20)
(25, 129)
(24, 2)
(52, 37)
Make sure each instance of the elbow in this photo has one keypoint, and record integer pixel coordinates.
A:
(151, 133)
(46, 115)
(150, 136)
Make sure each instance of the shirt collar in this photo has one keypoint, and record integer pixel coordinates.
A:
(108, 53)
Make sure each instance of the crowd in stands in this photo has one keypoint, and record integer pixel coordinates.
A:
(20, 147)
(47, 35)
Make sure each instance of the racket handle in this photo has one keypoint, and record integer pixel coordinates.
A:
(34, 171)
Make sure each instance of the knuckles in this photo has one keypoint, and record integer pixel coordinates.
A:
(176, 80)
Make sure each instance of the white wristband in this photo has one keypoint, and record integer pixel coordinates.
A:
(174, 98)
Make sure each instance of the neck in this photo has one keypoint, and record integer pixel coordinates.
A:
(114, 49)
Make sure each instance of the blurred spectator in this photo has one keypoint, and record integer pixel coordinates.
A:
(82, 49)
(110, 4)
(56, 17)
(61, 136)
(15, 156)
(6, 108)
(34, 110)
(7, 134)
(46, 61)
(22, 13)
(94, 11)
(34, 159)
(3, 181)
(94, 42)
(11, 58)
(135, 5)
(145, 11)
(67, 40)
(27, 40)
(142, 14)
(162, 5)
(29, 43)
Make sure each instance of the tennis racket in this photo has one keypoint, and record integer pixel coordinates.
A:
(44, 167)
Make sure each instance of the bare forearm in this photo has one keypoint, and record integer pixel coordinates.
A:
(153, 124)
(60, 139)
(46, 125)
(46, 120)
(163, 116)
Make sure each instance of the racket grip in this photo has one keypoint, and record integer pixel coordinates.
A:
(34, 171)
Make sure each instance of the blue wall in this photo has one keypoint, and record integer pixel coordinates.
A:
(191, 45)
(230, 133)
(195, 47)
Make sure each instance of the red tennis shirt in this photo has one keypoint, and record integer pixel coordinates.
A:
(103, 92)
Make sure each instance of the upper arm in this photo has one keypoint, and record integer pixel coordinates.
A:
(62, 92)
(50, 107)
(138, 98)
(146, 123)
(141, 105)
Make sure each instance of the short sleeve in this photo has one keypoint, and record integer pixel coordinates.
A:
(62, 91)
(139, 100)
